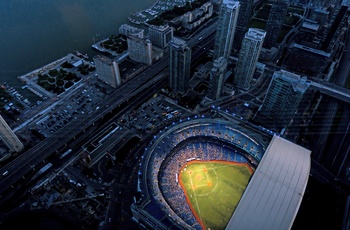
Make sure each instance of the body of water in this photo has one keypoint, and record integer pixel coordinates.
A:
(34, 33)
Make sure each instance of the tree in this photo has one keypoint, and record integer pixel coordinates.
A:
(53, 72)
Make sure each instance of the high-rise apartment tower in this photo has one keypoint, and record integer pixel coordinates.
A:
(217, 78)
(248, 57)
(284, 94)
(245, 13)
(179, 65)
(226, 28)
(274, 24)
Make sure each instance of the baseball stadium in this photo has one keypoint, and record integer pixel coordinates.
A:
(194, 174)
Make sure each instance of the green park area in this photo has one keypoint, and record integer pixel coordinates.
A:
(213, 190)
(116, 43)
(57, 81)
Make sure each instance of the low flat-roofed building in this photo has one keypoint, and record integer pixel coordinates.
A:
(274, 194)
(310, 26)
(307, 60)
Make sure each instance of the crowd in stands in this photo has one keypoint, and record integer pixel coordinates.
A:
(171, 151)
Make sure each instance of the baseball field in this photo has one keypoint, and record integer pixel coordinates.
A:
(213, 190)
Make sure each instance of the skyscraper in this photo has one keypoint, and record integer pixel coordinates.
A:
(107, 70)
(248, 57)
(217, 78)
(179, 62)
(226, 28)
(245, 13)
(9, 137)
(274, 24)
(284, 94)
(160, 36)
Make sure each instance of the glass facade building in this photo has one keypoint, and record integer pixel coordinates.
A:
(226, 28)
(179, 65)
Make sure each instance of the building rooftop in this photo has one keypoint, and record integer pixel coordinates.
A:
(255, 33)
(311, 26)
(178, 43)
(300, 84)
(312, 50)
(103, 58)
(274, 194)
(231, 4)
(160, 28)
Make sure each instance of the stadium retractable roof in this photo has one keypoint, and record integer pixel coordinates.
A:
(273, 196)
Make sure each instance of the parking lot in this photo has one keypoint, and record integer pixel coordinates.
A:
(83, 101)
(154, 114)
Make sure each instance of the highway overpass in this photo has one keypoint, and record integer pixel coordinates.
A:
(153, 78)
(332, 90)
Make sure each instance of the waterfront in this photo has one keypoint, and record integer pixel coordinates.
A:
(35, 33)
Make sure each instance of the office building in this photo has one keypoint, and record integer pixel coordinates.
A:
(160, 36)
(245, 13)
(284, 94)
(195, 18)
(140, 50)
(309, 34)
(129, 30)
(226, 28)
(179, 63)
(304, 59)
(107, 70)
(9, 137)
(274, 24)
(217, 78)
(248, 57)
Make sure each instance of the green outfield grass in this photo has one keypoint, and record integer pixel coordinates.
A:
(213, 190)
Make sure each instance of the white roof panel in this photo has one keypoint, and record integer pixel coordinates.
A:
(273, 196)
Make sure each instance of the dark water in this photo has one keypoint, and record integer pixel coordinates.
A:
(36, 32)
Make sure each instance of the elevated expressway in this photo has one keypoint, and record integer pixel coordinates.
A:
(153, 78)
(24, 163)
(332, 90)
